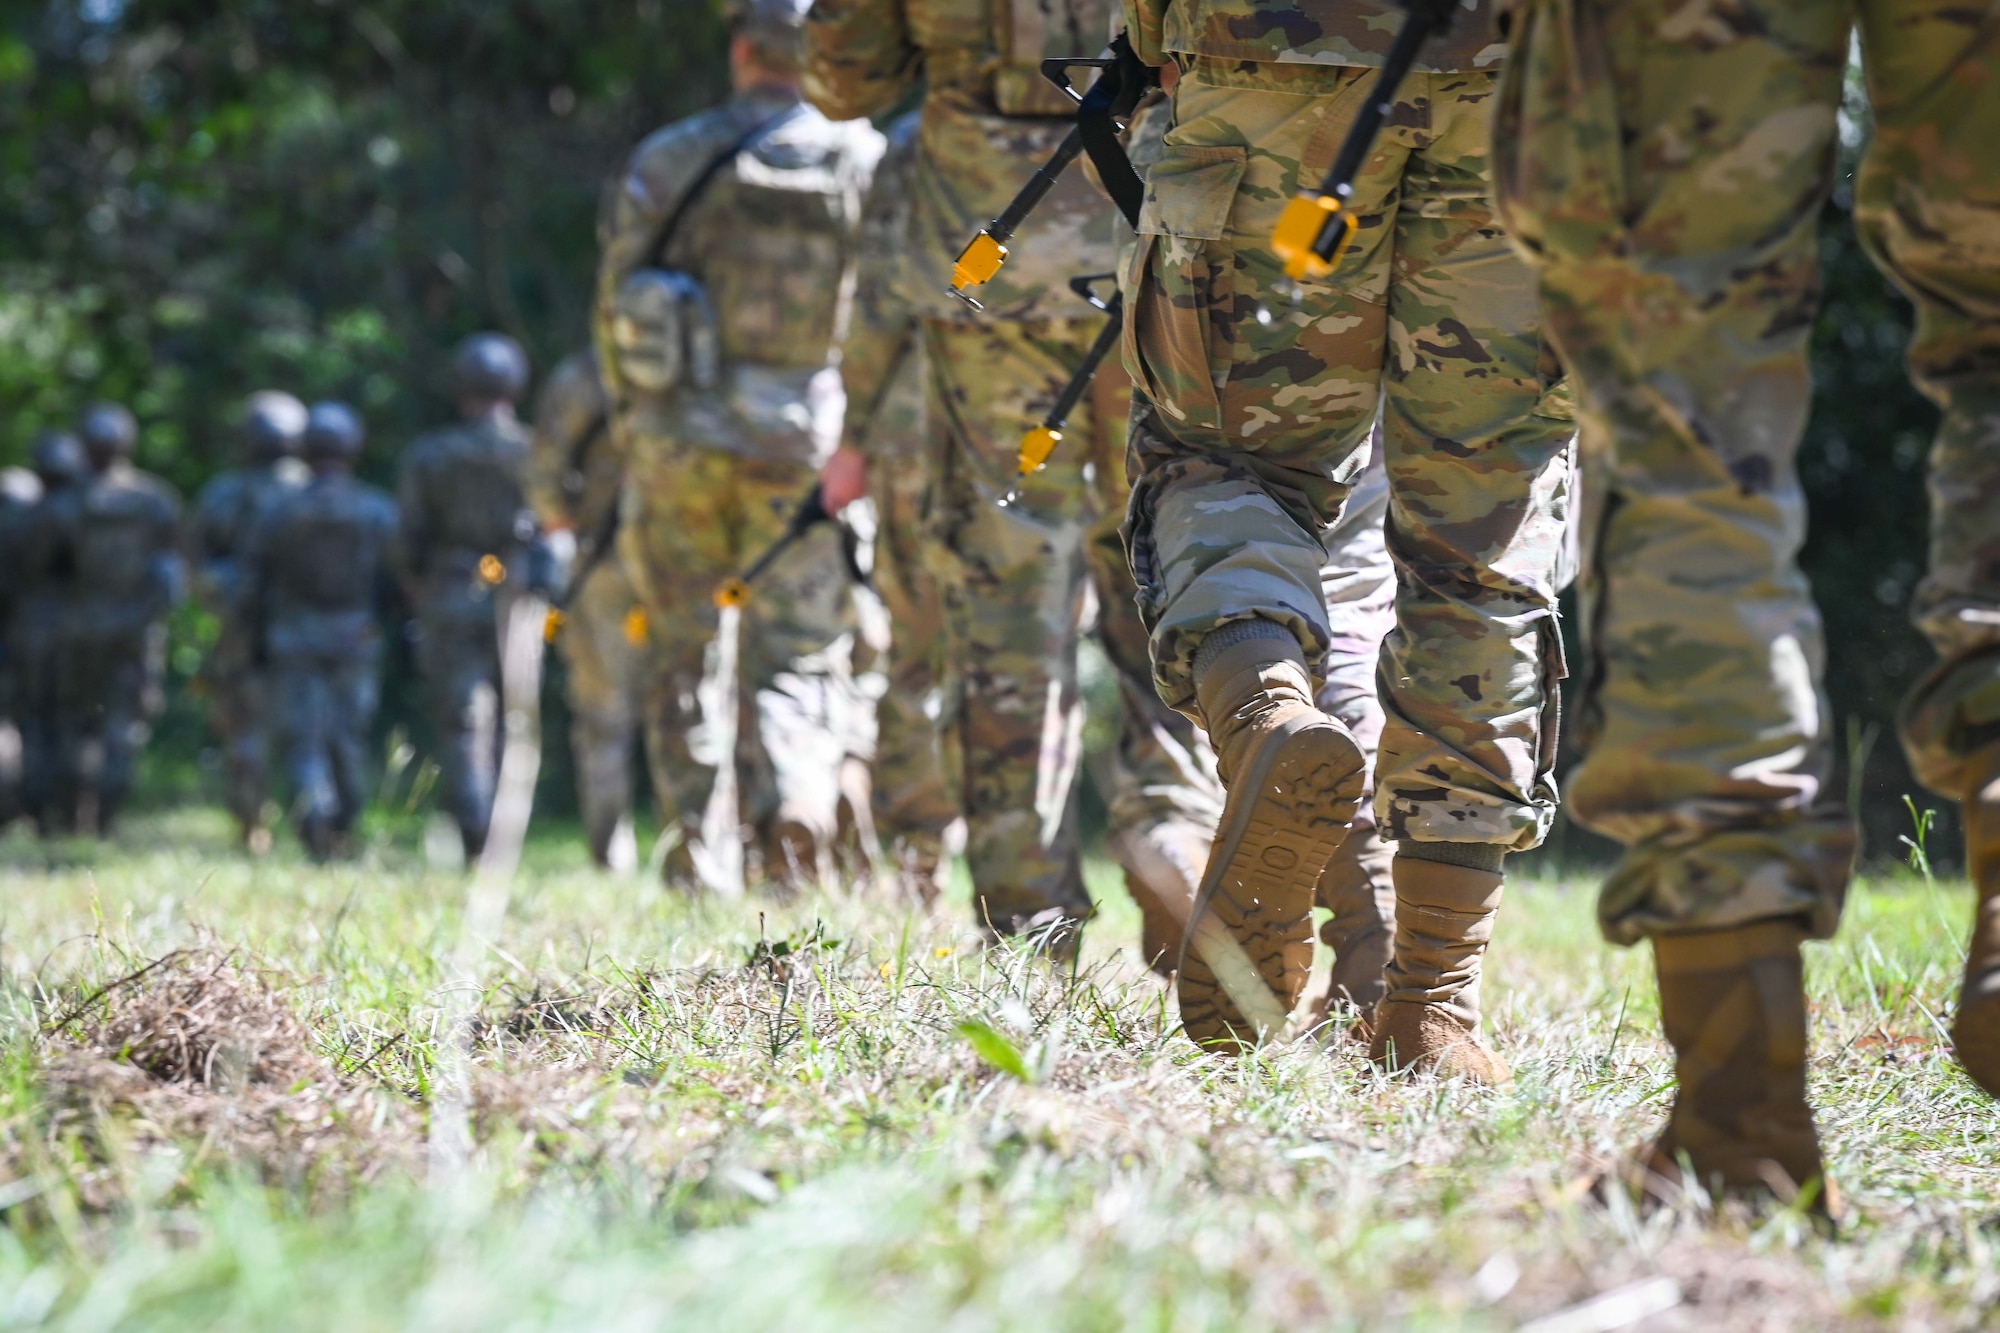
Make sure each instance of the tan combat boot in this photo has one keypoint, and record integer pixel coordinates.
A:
(1976, 1030)
(1163, 869)
(1429, 1018)
(1734, 1007)
(1358, 888)
(1294, 776)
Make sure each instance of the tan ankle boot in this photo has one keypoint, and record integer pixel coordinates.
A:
(1429, 1018)
(1733, 1004)
(1358, 887)
(1976, 1030)
(1294, 776)
(1163, 870)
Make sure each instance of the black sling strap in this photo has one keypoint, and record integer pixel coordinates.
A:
(709, 172)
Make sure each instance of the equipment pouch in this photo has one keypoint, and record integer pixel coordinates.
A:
(663, 332)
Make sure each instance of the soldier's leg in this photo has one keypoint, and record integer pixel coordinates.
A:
(462, 685)
(1667, 180)
(911, 795)
(1257, 407)
(1928, 204)
(357, 696)
(797, 678)
(135, 695)
(598, 646)
(1360, 589)
(1163, 798)
(1014, 594)
(1476, 432)
(239, 706)
(304, 726)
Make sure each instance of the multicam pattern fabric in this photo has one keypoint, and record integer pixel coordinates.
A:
(1664, 167)
(574, 474)
(988, 120)
(1313, 32)
(693, 518)
(882, 369)
(1260, 401)
(715, 470)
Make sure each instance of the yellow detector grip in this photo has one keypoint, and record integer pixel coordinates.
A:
(979, 262)
(636, 627)
(1036, 446)
(733, 592)
(553, 624)
(491, 571)
(1298, 232)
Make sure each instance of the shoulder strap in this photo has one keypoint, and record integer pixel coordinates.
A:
(709, 172)
(1101, 113)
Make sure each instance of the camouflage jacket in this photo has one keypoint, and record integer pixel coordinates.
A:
(882, 336)
(573, 470)
(123, 532)
(770, 241)
(1310, 32)
(315, 569)
(461, 496)
(225, 512)
(988, 120)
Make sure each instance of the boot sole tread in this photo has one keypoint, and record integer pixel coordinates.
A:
(1308, 785)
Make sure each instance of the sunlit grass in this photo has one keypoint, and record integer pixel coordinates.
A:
(696, 1114)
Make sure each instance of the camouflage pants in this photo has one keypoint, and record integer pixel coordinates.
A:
(599, 643)
(693, 518)
(1666, 178)
(107, 690)
(239, 705)
(459, 656)
(326, 710)
(1258, 409)
(912, 795)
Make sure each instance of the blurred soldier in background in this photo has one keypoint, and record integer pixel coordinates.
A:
(112, 640)
(20, 492)
(468, 548)
(40, 558)
(573, 479)
(728, 252)
(1015, 577)
(882, 370)
(315, 574)
(226, 510)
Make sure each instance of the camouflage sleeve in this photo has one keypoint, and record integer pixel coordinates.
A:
(859, 57)
(410, 552)
(876, 345)
(1146, 22)
(882, 329)
(170, 578)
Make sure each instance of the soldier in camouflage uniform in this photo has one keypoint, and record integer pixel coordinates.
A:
(467, 551)
(573, 479)
(40, 556)
(728, 250)
(1015, 577)
(1256, 404)
(20, 493)
(123, 529)
(273, 431)
(882, 371)
(1664, 168)
(315, 572)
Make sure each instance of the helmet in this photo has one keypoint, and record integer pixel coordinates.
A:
(59, 460)
(109, 431)
(490, 366)
(776, 28)
(274, 425)
(334, 432)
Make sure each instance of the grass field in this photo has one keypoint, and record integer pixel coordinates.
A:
(215, 1078)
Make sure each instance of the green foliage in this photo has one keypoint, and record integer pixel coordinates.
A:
(323, 195)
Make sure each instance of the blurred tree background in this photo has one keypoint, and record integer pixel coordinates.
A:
(198, 200)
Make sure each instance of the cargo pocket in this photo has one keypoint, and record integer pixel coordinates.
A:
(1180, 273)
